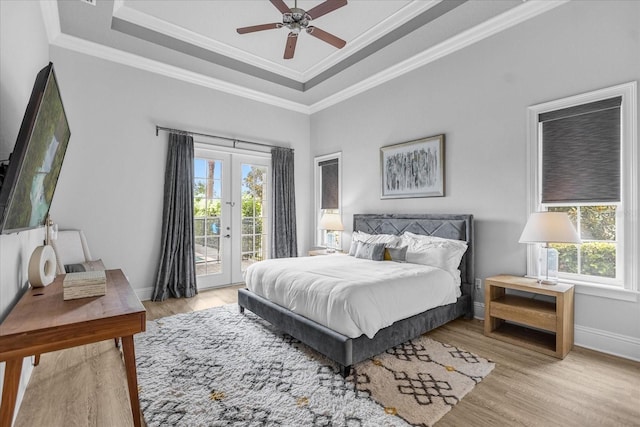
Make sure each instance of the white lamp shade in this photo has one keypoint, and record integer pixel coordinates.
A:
(549, 227)
(331, 221)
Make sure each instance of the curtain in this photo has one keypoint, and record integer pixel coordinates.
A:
(283, 219)
(177, 270)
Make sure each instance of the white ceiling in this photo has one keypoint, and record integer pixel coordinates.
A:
(196, 41)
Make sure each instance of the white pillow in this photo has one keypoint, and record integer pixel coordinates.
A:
(390, 240)
(429, 239)
(435, 251)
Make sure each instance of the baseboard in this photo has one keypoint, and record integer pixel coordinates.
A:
(144, 294)
(593, 339)
(607, 342)
(478, 310)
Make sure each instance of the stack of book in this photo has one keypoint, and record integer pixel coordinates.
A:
(84, 284)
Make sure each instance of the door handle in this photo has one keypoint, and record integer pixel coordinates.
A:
(226, 236)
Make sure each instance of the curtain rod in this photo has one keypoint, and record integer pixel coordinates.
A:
(233, 140)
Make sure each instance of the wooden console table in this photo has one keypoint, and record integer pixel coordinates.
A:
(42, 322)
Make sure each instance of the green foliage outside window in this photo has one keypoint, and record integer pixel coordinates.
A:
(207, 213)
(597, 229)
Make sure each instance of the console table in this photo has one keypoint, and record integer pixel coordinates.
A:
(42, 322)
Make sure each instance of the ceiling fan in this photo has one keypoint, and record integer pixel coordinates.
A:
(297, 20)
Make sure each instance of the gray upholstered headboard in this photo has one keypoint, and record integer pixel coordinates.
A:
(449, 226)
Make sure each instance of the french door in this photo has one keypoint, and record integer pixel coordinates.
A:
(231, 194)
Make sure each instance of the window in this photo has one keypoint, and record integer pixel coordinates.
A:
(583, 160)
(328, 193)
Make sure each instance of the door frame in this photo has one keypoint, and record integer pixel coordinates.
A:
(231, 208)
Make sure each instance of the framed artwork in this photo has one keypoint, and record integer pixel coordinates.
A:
(413, 169)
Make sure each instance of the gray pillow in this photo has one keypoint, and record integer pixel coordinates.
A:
(396, 254)
(372, 251)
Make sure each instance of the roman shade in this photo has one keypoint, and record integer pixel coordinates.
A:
(581, 153)
(329, 184)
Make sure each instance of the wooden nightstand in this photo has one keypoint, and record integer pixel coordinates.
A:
(552, 320)
(316, 252)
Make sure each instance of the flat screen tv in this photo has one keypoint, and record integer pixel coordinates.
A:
(34, 166)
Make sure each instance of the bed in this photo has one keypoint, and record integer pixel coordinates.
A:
(347, 351)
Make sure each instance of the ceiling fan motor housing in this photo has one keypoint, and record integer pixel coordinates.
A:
(296, 19)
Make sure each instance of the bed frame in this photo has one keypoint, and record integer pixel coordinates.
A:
(348, 351)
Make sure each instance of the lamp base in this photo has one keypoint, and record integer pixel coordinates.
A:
(547, 282)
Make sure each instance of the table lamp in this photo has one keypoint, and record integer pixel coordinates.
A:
(331, 222)
(545, 228)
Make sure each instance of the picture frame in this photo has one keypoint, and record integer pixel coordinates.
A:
(413, 169)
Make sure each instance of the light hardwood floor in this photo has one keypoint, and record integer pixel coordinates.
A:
(86, 386)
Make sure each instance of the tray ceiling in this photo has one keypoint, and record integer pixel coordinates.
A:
(197, 41)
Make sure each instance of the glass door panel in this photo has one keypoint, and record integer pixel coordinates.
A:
(231, 193)
(210, 218)
(254, 213)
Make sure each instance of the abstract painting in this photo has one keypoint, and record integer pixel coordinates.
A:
(413, 169)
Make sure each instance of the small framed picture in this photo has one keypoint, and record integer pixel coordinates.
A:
(413, 168)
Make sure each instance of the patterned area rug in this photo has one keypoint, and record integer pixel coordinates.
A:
(217, 367)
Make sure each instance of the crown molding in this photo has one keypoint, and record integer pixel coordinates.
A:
(144, 20)
(376, 32)
(517, 15)
(133, 16)
(115, 55)
(51, 18)
(473, 35)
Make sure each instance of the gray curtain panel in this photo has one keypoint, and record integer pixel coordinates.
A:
(283, 219)
(177, 270)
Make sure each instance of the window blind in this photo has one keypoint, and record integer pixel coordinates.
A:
(329, 188)
(581, 153)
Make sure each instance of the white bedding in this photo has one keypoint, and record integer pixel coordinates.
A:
(350, 295)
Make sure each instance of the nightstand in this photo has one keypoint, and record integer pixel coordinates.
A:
(316, 252)
(541, 325)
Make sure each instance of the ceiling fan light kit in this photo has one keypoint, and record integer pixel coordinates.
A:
(297, 20)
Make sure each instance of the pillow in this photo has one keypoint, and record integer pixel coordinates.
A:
(432, 239)
(96, 265)
(390, 240)
(396, 254)
(372, 251)
(435, 251)
(436, 256)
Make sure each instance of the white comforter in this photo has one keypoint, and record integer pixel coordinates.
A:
(350, 295)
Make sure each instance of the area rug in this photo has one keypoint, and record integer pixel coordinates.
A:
(218, 367)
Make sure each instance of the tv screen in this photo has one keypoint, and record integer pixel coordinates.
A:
(34, 166)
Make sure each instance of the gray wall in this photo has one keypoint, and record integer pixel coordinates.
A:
(24, 50)
(111, 184)
(478, 97)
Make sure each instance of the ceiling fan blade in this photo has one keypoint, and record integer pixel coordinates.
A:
(245, 30)
(326, 7)
(326, 37)
(290, 49)
(281, 6)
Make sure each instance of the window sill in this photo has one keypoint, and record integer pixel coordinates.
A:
(604, 291)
